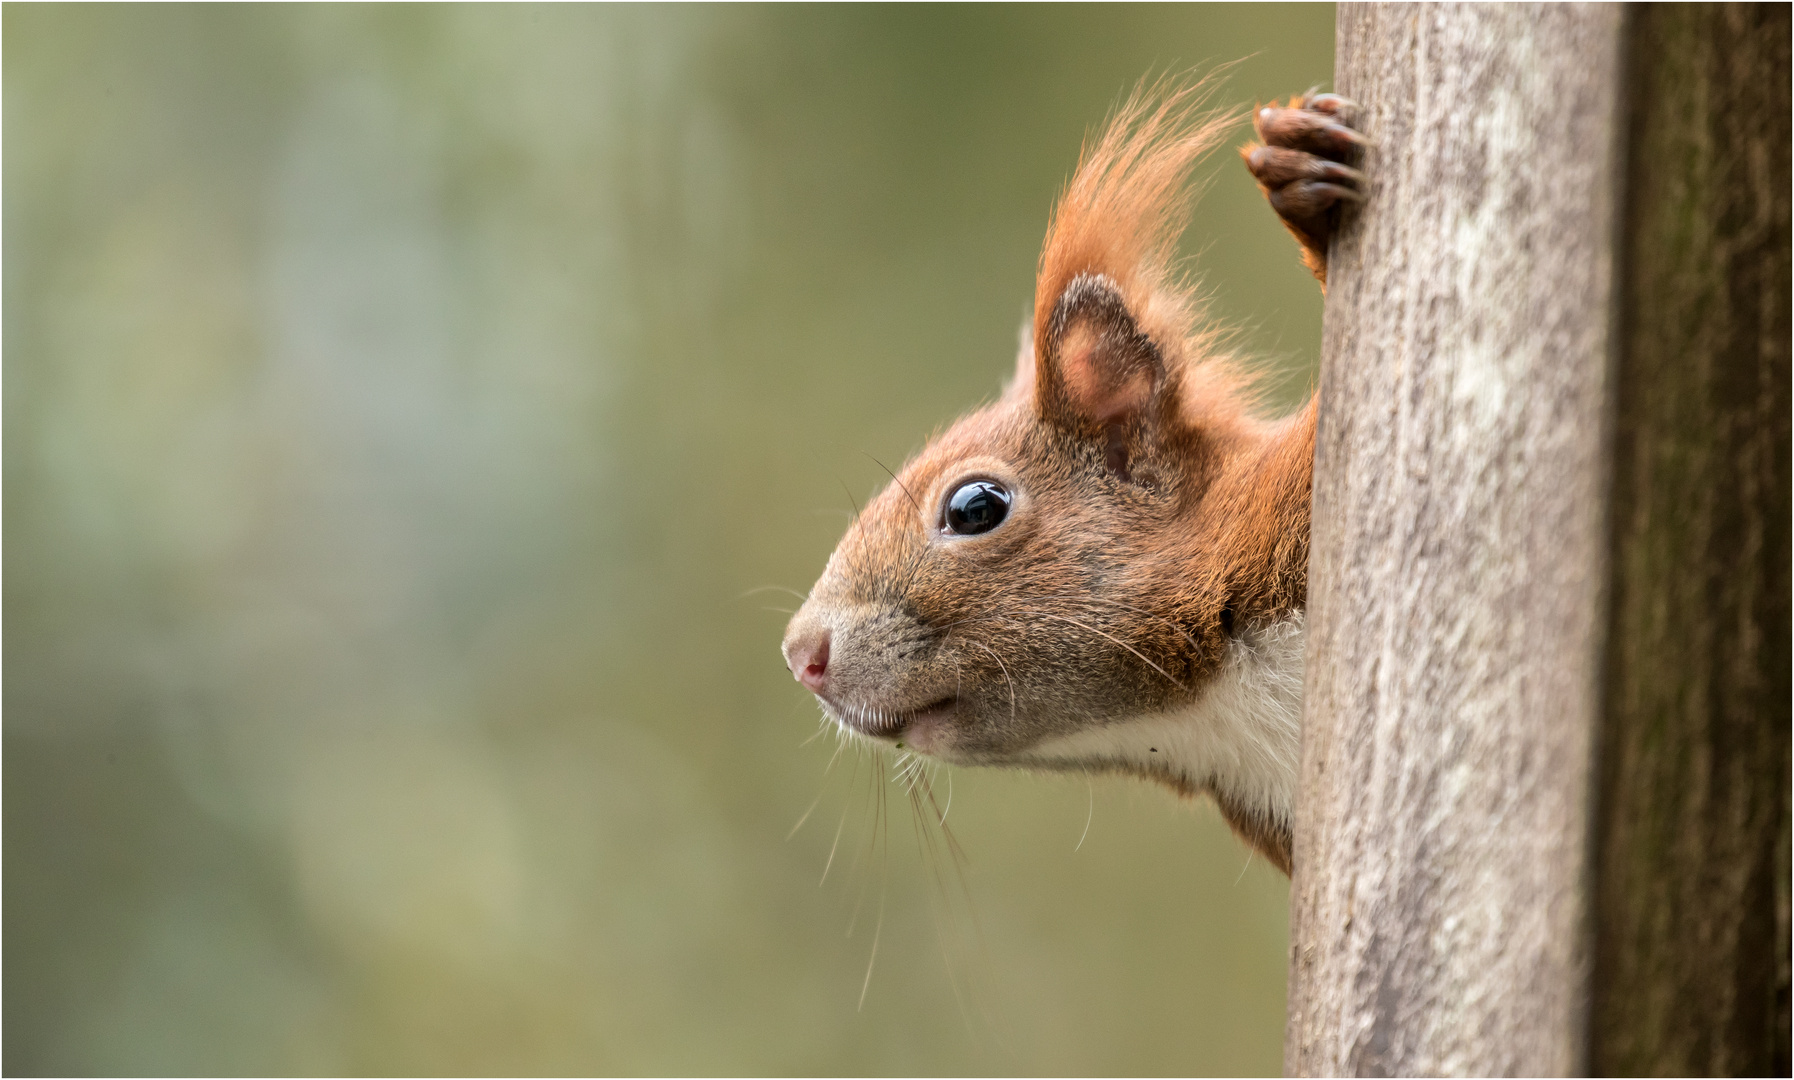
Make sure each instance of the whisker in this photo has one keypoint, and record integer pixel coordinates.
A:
(916, 772)
(840, 745)
(958, 863)
(940, 901)
(973, 620)
(1129, 607)
(899, 483)
(1005, 670)
(1089, 815)
(950, 895)
(877, 932)
(914, 556)
(850, 499)
(1118, 641)
(870, 819)
(773, 588)
(832, 847)
(863, 854)
(806, 816)
(958, 853)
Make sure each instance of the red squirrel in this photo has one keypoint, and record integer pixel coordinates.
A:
(1106, 569)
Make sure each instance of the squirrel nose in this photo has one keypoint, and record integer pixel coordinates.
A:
(808, 660)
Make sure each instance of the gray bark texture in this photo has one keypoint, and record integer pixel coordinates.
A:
(1691, 927)
(1440, 900)
(1543, 820)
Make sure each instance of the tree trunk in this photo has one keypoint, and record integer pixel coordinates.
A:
(1491, 598)
(1459, 550)
(1691, 955)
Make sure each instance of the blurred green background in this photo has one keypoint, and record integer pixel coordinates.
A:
(400, 405)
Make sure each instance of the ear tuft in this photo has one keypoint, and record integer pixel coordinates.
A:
(1113, 321)
(1098, 368)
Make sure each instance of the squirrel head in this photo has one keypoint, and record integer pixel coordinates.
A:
(1083, 550)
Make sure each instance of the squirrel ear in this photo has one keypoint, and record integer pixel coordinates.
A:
(1095, 368)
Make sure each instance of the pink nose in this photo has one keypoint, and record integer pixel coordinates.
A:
(808, 661)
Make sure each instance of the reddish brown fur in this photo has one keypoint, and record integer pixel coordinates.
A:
(1154, 515)
(1126, 206)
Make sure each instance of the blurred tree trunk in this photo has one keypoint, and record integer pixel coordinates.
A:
(1551, 517)
(1691, 900)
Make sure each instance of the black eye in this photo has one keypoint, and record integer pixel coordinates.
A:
(977, 507)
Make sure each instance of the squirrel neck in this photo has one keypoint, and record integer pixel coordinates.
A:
(1258, 547)
(1238, 740)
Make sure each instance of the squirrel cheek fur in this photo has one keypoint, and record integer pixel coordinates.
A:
(1138, 608)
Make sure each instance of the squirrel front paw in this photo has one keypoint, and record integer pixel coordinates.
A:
(1302, 167)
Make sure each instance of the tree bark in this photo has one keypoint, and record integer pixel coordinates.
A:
(1459, 556)
(1551, 516)
(1691, 958)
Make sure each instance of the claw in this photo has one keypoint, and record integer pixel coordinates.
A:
(1306, 199)
(1275, 166)
(1345, 134)
(1332, 104)
(1333, 170)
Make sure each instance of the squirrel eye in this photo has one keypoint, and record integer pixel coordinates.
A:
(977, 507)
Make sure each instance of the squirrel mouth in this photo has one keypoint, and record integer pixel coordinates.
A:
(885, 723)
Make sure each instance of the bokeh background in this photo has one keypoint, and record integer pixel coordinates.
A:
(401, 404)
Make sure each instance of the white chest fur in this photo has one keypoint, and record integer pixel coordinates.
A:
(1241, 737)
